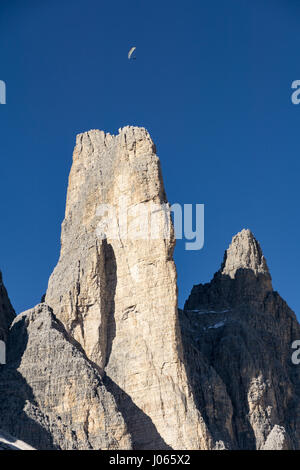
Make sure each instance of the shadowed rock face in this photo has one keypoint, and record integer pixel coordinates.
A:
(7, 313)
(8, 442)
(243, 278)
(239, 332)
(51, 396)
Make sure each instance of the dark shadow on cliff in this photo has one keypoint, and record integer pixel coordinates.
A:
(232, 353)
(143, 432)
(111, 282)
(15, 393)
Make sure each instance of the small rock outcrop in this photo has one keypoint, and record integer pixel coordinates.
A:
(238, 332)
(243, 278)
(277, 439)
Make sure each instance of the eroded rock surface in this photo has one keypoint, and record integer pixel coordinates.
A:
(51, 396)
(118, 297)
(237, 336)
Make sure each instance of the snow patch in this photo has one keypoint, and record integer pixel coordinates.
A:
(217, 325)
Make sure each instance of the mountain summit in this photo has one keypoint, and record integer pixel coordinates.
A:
(238, 332)
(244, 252)
(244, 277)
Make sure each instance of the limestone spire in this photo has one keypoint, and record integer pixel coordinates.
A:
(244, 252)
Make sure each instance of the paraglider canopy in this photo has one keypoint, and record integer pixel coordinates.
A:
(131, 52)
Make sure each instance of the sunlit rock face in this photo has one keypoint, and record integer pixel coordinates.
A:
(243, 331)
(118, 297)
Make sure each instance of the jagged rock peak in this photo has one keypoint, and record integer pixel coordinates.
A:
(128, 136)
(129, 130)
(244, 252)
(243, 277)
(244, 330)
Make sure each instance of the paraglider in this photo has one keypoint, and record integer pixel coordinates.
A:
(131, 52)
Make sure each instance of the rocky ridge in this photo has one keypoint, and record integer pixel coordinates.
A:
(51, 395)
(237, 330)
(108, 362)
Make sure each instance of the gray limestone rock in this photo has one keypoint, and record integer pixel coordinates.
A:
(277, 439)
(243, 331)
(51, 395)
(118, 297)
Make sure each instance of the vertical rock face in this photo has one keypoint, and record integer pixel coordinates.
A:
(7, 312)
(238, 331)
(107, 362)
(51, 395)
(118, 297)
(243, 278)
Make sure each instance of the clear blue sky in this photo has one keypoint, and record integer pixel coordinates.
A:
(211, 83)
